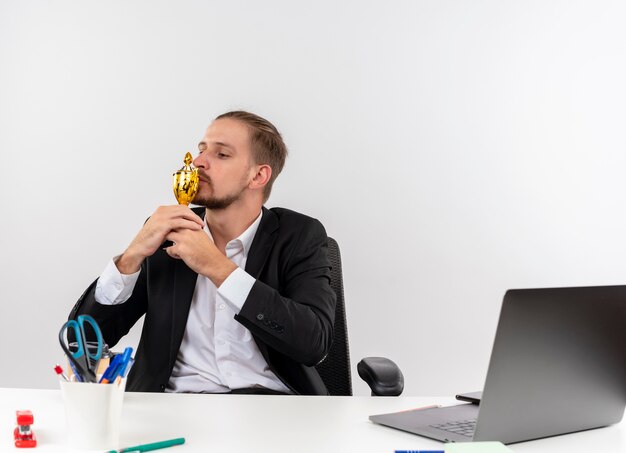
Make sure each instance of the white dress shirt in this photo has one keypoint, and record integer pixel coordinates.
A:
(217, 353)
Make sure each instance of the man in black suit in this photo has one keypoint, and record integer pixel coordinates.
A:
(241, 301)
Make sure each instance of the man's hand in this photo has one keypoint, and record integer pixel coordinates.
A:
(199, 252)
(154, 232)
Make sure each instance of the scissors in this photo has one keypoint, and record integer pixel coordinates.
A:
(84, 362)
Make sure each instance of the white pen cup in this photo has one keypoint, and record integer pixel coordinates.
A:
(93, 414)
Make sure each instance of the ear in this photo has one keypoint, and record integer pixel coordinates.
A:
(261, 177)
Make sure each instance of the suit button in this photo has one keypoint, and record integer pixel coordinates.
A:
(260, 316)
(162, 388)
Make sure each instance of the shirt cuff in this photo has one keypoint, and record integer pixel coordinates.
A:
(114, 287)
(235, 289)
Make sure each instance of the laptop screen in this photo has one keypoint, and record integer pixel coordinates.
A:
(558, 364)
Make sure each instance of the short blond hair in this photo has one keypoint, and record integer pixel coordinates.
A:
(268, 146)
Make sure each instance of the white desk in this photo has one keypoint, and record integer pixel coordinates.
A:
(246, 423)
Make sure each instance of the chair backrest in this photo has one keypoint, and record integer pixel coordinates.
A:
(335, 369)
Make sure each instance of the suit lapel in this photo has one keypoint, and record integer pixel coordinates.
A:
(262, 244)
(184, 284)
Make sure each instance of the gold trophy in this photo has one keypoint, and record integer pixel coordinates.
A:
(186, 182)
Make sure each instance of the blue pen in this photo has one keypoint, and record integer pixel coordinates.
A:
(108, 373)
(131, 362)
(79, 378)
(419, 451)
(121, 369)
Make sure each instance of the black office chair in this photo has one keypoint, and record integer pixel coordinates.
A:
(381, 374)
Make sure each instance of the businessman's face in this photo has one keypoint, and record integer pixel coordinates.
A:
(224, 164)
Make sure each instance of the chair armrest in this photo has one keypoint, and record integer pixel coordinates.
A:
(382, 375)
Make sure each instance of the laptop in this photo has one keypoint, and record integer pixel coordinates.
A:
(558, 366)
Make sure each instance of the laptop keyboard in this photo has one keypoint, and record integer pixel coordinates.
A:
(462, 427)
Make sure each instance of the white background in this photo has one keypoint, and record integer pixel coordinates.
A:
(455, 149)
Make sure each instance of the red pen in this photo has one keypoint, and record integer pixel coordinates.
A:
(58, 370)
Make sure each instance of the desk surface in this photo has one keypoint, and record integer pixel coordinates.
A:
(250, 423)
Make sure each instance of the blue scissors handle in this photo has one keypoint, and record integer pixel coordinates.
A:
(82, 359)
(82, 319)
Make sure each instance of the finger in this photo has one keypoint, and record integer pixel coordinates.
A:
(166, 213)
(186, 213)
(174, 236)
(172, 253)
(180, 224)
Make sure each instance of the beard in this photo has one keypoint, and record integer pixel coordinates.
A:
(216, 203)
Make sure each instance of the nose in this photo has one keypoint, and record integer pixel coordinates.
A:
(199, 161)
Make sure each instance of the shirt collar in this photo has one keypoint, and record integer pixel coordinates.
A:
(247, 236)
(244, 240)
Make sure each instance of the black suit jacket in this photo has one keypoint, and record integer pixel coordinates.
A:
(290, 310)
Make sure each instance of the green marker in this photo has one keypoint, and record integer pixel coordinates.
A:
(152, 446)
